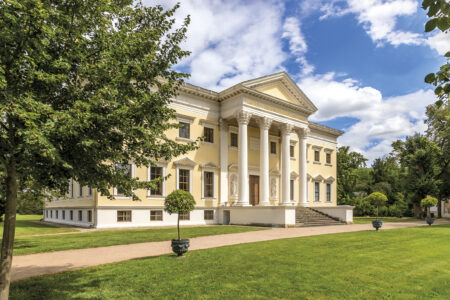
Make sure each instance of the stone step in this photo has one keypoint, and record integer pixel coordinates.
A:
(310, 217)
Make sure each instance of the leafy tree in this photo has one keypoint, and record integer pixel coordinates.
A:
(347, 164)
(386, 177)
(84, 85)
(420, 157)
(428, 202)
(377, 199)
(439, 12)
(179, 202)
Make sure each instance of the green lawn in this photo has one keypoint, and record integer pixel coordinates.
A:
(368, 220)
(409, 263)
(36, 244)
(25, 226)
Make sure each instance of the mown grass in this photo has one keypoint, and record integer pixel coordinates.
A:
(409, 263)
(368, 220)
(48, 243)
(26, 226)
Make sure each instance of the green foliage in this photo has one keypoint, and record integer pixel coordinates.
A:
(179, 201)
(439, 14)
(347, 164)
(428, 201)
(377, 199)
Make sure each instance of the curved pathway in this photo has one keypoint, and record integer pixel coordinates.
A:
(26, 266)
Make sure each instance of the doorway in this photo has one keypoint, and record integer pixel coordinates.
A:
(254, 189)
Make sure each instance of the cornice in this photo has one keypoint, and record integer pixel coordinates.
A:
(326, 129)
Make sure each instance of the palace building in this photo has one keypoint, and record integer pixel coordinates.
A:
(261, 162)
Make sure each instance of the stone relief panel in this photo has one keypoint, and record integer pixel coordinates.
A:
(273, 188)
(233, 185)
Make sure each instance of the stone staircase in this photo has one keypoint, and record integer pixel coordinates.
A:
(306, 217)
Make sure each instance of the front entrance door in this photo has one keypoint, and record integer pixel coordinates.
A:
(254, 190)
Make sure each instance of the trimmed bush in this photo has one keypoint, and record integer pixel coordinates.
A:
(428, 202)
(377, 199)
(179, 201)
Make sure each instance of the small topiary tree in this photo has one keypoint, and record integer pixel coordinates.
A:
(428, 202)
(378, 199)
(179, 201)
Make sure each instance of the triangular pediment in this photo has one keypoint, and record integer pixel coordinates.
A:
(282, 87)
(185, 162)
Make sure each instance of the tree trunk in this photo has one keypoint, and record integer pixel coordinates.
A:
(418, 212)
(439, 207)
(8, 228)
(178, 226)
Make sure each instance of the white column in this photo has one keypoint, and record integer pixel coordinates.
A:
(264, 125)
(302, 135)
(285, 164)
(223, 162)
(243, 118)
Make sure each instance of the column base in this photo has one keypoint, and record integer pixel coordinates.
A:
(264, 204)
(287, 204)
(242, 204)
(304, 204)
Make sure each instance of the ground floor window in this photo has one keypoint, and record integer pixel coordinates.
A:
(64, 214)
(124, 216)
(51, 214)
(89, 216)
(185, 216)
(317, 191)
(208, 214)
(80, 215)
(156, 215)
(292, 190)
(328, 192)
(57, 214)
(71, 215)
(208, 184)
(46, 213)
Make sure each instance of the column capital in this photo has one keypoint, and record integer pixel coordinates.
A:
(223, 124)
(243, 117)
(264, 123)
(286, 129)
(303, 133)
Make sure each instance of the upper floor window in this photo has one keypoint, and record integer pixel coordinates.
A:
(291, 151)
(184, 130)
(316, 155)
(155, 173)
(209, 134)
(80, 190)
(328, 158)
(71, 188)
(273, 148)
(233, 139)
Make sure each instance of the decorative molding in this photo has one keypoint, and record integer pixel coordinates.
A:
(286, 129)
(330, 179)
(254, 143)
(294, 175)
(184, 118)
(209, 165)
(208, 123)
(303, 133)
(326, 129)
(318, 178)
(185, 162)
(223, 124)
(243, 117)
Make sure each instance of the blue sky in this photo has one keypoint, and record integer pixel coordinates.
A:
(362, 62)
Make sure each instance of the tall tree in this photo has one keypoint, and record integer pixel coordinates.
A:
(420, 157)
(84, 88)
(387, 177)
(347, 164)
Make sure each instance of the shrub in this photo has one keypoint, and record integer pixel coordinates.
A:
(427, 202)
(377, 199)
(179, 201)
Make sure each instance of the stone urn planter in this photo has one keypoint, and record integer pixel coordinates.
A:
(430, 221)
(180, 247)
(377, 224)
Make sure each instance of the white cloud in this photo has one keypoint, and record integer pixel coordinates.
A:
(297, 44)
(231, 40)
(440, 42)
(381, 121)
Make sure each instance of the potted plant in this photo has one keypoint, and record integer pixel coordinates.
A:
(378, 199)
(179, 202)
(428, 202)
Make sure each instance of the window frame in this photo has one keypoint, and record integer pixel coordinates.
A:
(292, 190)
(57, 214)
(71, 215)
(89, 216)
(80, 190)
(233, 133)
(70, 188)
(185, 216)
(80, 215)
(155, 216)
(184, 130)
(162, 183)
(122, 196)
(212, 184)
(63, 214)
(125, 216)
(274, 144)
(316, 191)
(207, 211)
(184, 174)
(328, 192)
(210, 135)
(316, 155)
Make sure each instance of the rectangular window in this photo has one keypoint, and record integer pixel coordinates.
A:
(316, 191)
(273, 148)
(46, 213)
(185, 216)
(291, 151)
(155, 173)
(156, 215)
(80, 215)
(208, 215)
(184, 130)
(127, 170)
(57, 214)
(70, 188)
(89, 191)
(64, 214)
(328, 192)
(209, 135)
(90, 216)
(209, 184)
(233, 139)
(292, 190)
(124, 216)
(51, 214)
(183, 180)
(71, 215)
(316, 155)
(80, 190)
(328, 158)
